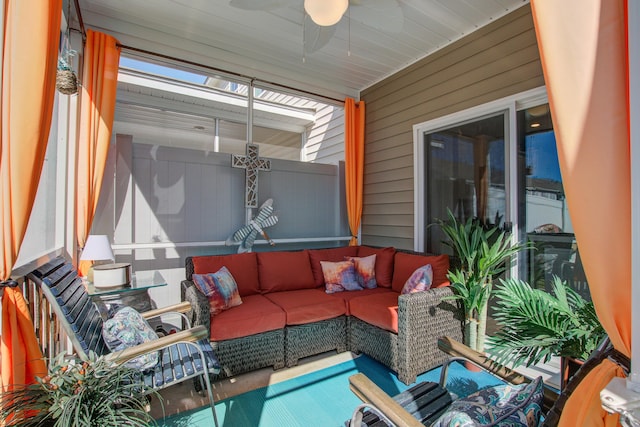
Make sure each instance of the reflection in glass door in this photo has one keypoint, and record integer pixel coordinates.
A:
(465, 173)
(543, 215)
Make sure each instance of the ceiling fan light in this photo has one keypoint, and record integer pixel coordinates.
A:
(326, 12)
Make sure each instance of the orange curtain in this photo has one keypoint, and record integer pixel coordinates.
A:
(97, 106)
(354, 163)
(22, 359)
(584, 56)
(31, 35)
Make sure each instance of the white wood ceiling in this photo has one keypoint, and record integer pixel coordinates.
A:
(268, 44)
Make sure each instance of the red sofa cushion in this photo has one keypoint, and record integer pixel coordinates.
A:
(348, 296)
(284, 271)
(243, 268)
(255, 315)
(307, 305)
(380, 309)
(332, 254)
(384, 263)
(406, 264)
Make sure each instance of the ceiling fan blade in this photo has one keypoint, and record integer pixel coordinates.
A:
(383, 15)
(316, 36)
(259, 5)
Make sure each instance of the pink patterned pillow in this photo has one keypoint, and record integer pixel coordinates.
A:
(340, 276)
(365, 270)
(419, 281)
(220, 288)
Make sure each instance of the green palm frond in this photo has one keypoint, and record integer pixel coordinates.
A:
(484, 252)
(79, 392)
(536, 325)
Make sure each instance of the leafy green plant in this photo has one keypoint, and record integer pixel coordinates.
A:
(483, 252)
(535, 325)
(92, 392)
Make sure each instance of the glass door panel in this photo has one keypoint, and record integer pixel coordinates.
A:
(465, 173)
(543, 212)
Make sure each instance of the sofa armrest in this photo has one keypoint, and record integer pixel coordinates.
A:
(423, 317)
(429, 311)
(200, 312)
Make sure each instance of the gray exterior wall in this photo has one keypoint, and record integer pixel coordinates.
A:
(190, 201)
(496, 61)
(163, 194)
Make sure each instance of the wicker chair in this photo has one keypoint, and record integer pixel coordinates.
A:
(237, 355)
(423, 317)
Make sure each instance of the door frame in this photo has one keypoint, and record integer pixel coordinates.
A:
(511, 105)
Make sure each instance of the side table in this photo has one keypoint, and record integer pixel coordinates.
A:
(135, 295)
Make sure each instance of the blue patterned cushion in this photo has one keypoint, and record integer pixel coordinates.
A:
(504, 405)
(127, 328)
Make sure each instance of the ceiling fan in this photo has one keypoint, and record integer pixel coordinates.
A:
(323, 16)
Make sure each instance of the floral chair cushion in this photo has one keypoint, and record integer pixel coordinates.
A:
(127, 328)
(504, 405)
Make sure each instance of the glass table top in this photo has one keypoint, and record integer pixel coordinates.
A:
(140, 280)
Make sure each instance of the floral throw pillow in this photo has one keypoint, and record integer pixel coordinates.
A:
(420, 280)
(504, 405)
(365, 270)
(127, 328)
(220, 288)
(340, 276)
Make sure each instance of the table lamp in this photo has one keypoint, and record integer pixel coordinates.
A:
(103, 271)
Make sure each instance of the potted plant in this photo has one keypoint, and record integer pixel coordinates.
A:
(535, 325)
(483, 251)
(93, 392)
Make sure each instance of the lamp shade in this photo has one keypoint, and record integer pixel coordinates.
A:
(97, 248)
(326, 12)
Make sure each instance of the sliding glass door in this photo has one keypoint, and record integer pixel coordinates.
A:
(465, 173)
(499, 165)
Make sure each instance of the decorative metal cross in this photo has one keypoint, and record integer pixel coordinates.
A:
(252, 164)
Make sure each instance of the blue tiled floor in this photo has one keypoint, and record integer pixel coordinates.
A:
(320, 398)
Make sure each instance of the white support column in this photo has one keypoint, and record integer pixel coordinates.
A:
(216, 135)
(249, 211)
(511, 184)
(634, 106)
(623, 395)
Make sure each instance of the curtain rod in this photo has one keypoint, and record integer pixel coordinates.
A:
(232, 73)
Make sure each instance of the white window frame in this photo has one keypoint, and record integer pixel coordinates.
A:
(511, 104)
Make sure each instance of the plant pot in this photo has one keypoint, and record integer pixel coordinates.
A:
(568, 367)
(472, 367)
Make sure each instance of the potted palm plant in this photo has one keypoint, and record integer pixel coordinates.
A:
(536, 325)
(92, 392)
(483, 251)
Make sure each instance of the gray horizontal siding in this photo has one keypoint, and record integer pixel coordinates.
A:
(325, 140)
(496, 61)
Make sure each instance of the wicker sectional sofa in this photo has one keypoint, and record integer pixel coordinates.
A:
(286, 314)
